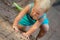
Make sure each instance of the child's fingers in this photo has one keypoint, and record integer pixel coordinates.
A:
(26, 36)
(15, 28)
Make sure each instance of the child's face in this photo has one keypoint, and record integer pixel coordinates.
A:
(37, 13)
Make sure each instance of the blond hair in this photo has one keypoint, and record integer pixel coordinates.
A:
(44, 4)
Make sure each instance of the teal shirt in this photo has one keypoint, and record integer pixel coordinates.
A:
(27, 20)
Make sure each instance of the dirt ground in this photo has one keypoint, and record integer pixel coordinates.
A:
(7, 10)
(7, 15)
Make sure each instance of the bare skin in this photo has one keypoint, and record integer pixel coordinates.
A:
(43, 30)
(20, 15)
(35, 15)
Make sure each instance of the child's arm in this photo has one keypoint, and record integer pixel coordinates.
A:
(21, 14)
(34, 27)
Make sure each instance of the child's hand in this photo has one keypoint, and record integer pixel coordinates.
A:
(15, 28)
(25, 35)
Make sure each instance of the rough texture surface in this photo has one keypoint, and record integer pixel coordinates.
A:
(7, 15)
(7, 32)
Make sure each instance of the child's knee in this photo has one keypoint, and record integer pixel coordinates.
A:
(46, 27)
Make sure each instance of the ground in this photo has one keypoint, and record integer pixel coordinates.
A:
(7, 15)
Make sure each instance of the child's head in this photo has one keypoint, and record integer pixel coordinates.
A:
(40, 6)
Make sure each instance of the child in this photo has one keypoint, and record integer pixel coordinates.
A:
(33, 15)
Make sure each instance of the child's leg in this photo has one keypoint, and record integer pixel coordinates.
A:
(22, 28)
(43, 30)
